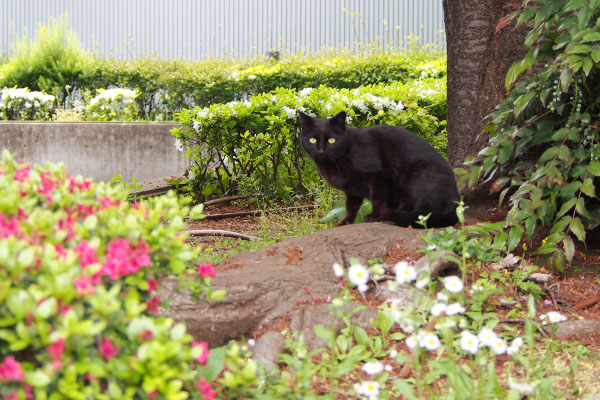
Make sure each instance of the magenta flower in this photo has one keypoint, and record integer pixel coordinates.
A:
(10, 370)
(203, 357)
(151, 285)
(206, 270)
(22, 174)
(124, 258)
(48, 184)
(107, 349)
(152, 305)
(9, 228)
(86, 253)
(206, 390)
(107, 202)
(85, 285)
(56, 350)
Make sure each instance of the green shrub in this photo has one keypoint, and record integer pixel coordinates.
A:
(21, 104)
(168, 86)
(544, 147)
(252, 145)
(53, 62)
(113, 105)
(79, 268)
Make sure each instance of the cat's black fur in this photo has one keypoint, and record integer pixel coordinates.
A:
(400, 173)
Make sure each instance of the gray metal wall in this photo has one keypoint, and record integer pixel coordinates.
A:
(195, 29)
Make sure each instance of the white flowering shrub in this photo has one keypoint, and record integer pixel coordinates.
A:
(252, 145)
(23, 104)
(116, 104)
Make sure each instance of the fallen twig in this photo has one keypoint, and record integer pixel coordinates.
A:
(228, 199)
(586, 303)
(216, 232)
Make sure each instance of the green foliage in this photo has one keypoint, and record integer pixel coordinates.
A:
(252, 145)
(53, 62)
(113, 105)
(168, 86)
(79, 269)
(544, 143)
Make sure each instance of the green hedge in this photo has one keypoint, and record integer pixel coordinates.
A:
(167, 86)
(252, 145)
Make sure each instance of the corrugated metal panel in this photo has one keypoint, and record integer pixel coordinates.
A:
(195, 29)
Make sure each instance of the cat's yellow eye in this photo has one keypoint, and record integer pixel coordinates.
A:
(312, 140)
(331, 140)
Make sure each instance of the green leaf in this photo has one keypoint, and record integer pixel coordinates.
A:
(347, 365)
(568, 205)
(577, 228)
(514, 236)
(215, 364)
(197, 212)
(569, 247)
(594, 168)
(334, 215)
(37, 378)
(523, 101)
(361, 335)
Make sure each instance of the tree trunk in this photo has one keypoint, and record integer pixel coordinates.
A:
(478, 58)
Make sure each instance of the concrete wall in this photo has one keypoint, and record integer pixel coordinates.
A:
(99, 150)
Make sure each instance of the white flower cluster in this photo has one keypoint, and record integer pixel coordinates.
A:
(552, 317)
(127, 96)
(20, 103)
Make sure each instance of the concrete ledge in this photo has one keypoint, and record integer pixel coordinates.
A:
(99, 150)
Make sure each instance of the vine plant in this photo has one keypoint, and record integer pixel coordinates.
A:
(543, 152)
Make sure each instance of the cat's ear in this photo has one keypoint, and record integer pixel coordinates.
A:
(306, 121)
(339, 121)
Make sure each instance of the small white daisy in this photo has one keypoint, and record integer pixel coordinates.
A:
(338, 270)
(373, 367)
(430, 341)
(515, 346)
(487, 337)
(358, 275)
(438, 309)
(469, 342)
(367, 388)
(393, 354)
(454, 309)
(412, 342)
(453, 284)
(422, 283)
(441, 296)
(521, 387)
(555, 317)
(498, 346)
(405, 273)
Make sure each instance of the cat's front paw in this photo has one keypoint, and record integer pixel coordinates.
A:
(345, 221)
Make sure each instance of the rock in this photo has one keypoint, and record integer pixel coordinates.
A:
(438, 264)
(509, 262)
(540, 278)
(267, 349)
(567, 329)
(507, 303)
(401, 296)
(266, 283)
(305, 318)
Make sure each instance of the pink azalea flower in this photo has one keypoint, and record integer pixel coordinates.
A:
(48, 184)
(107, 202)
(146, 335)
(61, 252)
(22, 174)
(10, 370)
(86, 253)
(124, 258)
(84, 285)
(151, 285)
(206, 270)
(203, 357)
(152, 305)
(9, 228)
(107, 349)
(10, 396)
(206, 390)
(153, 394)
(56, 350)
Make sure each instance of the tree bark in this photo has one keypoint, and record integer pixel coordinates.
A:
(478, 58)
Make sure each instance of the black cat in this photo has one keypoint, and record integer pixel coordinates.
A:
(400, 173)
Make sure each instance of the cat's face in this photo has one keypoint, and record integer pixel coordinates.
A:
(324, 139)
